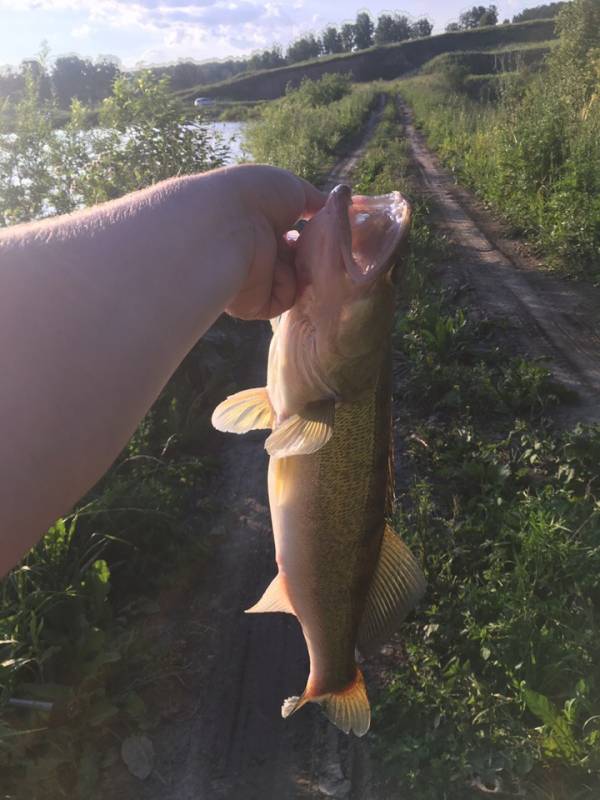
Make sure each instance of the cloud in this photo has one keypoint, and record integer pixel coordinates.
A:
(81, 31)
(176, 29)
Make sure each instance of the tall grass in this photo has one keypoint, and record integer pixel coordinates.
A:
(535, 155)
(304, 130)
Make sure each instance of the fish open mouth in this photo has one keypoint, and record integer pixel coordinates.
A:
(378, 226)
(372, 231)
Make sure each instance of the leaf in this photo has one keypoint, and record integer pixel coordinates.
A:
(138, 753)
(101, 711)
(539, 705)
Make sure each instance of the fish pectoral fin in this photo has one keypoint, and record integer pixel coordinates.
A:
(348, 709)
(397, 586)
(245, 411)
(303, 433)
(275, 598)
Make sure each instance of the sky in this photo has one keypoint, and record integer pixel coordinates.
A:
(153, 32)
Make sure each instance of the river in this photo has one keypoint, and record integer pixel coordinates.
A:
(232, 134)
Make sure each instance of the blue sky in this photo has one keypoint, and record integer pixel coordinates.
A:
(159, 31)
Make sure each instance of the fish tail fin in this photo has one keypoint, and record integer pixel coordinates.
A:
(244, 411)
(348, 709)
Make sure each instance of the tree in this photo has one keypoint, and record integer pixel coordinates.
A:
(363, 31)
(347, 35)
(452, 27)
(102, 76)
(304, 48)
(331, 40)
(71, 79)
(477, 16)
(538, 12)
(489, 18)
(420, 29)
(575, 62)
(392, 28)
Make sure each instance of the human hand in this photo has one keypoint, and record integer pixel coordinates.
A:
(272, 200)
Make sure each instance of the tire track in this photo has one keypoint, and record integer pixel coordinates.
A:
(553, 319)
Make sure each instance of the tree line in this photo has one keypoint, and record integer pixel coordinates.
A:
(478, 16)
(90, 81)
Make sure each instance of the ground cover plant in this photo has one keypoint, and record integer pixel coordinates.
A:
(69, 612)
(305, 130)
(535, 153)
(492, 686)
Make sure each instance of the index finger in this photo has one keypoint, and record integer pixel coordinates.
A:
(314, 199)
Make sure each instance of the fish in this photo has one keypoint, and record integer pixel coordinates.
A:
(342, 570)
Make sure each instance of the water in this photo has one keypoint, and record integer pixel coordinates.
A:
(233, 135)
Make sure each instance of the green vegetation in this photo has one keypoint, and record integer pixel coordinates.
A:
(482, 62)
(304, 130)
(492, 686)
(379, 62)
(144, 138)
(70, 612)
(535, 154)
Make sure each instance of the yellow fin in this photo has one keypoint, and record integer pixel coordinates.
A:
(275, 598)
(348, 709)
(303, 433)
(397, 586)
(244, 411)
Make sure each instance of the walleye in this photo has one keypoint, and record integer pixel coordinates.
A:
(344, 573)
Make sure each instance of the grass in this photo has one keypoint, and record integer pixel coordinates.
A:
(491, 686)
(480, 62)
(305, 130)
(528, 144)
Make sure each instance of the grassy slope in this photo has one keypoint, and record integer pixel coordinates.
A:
(482, 62)
(385, 62)
(492, 684)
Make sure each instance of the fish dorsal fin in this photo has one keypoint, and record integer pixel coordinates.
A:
(348, 709)
(398, 585)
(245, 411)
(303, 433)
(275, 598)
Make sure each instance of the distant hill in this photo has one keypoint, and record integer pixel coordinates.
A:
(386, 62)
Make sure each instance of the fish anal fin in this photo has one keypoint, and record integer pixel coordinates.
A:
(274, 599)
(303, 433)
(347, 709)
(245, 411)
(397, 586)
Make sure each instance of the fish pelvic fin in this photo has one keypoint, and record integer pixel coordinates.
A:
(397, 586)
(303, 433)
(348, 709)
(245, 411)
(274, 599)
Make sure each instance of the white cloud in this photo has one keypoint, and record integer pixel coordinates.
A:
(81, 32)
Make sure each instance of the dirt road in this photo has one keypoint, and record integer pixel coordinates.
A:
(551, 318)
